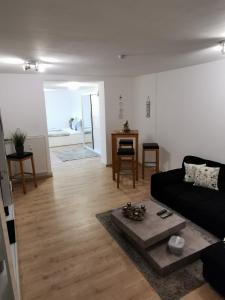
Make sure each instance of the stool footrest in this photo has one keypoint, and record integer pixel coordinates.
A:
(150, 164)
(126, 172)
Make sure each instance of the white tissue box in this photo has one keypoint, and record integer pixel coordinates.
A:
(176, 244)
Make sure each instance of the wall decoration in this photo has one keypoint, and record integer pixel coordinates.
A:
(121, 107)
(126, 127)
(148, 108)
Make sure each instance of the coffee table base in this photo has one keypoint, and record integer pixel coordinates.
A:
(164, 262)
(152, 243)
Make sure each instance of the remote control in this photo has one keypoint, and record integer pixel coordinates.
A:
(166, 215)
(163, 211)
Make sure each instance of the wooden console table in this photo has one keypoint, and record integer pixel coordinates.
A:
(132, 134)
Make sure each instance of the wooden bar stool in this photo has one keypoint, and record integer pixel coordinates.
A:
(126, 156)
(150, 147)
(21, 158)
(119, 134)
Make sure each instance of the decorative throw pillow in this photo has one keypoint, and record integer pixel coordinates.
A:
(190, 170)
(207, 177)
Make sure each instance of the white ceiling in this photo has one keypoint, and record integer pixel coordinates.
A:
(86, 36)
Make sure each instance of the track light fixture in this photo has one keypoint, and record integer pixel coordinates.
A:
(33, 66)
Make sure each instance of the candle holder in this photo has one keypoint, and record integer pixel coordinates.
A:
(134, 212)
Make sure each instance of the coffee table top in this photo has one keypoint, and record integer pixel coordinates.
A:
(152, 229)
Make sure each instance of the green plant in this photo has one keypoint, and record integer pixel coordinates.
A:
(18, 138)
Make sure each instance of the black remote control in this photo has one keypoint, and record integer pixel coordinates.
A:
(163, 211)
(166, 215)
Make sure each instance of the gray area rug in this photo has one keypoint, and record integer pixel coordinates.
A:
(172, 286)
(74, 154)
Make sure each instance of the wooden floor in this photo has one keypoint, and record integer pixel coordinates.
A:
(64, 252)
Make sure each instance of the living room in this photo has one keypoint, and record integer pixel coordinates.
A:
(167, 58)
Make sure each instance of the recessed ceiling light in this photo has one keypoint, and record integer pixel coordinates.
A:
(11, 60)
(122, 56)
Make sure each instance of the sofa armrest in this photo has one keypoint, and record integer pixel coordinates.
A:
(159, 180)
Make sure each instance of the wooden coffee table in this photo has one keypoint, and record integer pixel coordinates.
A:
(151, 236)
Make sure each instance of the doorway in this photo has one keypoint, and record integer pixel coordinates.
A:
(73, 120)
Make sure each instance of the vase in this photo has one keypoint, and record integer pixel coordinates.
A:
(19, 150)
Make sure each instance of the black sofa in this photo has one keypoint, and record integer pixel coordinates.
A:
(203, 206)
(213, 259)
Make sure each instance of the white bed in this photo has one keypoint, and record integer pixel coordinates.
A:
(65, 137)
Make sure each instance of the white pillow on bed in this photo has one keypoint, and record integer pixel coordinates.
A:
(190, 171)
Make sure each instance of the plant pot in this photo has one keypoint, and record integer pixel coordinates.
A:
(19, 150)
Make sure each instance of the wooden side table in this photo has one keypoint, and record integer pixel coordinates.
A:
(132, 134)
(21, 158)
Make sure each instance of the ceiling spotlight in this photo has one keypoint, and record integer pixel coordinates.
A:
(122, 56)
(26, 66)
(222, 47)
(33, 66)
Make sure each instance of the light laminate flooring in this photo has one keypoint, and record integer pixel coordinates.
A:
(64, 252)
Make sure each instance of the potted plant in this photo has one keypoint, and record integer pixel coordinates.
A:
(18, 139)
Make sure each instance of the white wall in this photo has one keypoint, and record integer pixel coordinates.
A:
(96, 123)
(114, 87)
(102, 121)
(61, 105)
(58, 108)
(76, 104)
(187, 109)
(22, 106)
(189, 115)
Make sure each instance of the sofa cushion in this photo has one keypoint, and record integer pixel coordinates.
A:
(209, 163)
(207, 177)
(190, 171)
(183, 193)
(203, 206)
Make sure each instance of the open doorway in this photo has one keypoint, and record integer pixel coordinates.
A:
(73, 120)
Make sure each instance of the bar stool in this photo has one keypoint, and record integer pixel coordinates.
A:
(21, 158)
(125, 155)
(150, 147)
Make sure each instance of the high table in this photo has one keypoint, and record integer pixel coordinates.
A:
(21, 158)
(116, 135)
